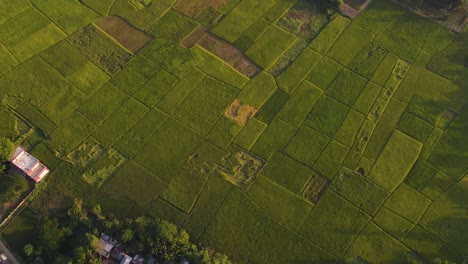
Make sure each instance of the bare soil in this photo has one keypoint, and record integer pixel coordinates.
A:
(240, 112)
(128, 36)
(314, 190)
(194, 37)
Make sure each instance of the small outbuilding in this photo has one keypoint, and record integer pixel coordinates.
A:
(29, 164)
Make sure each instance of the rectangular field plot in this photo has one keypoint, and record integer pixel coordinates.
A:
(183, 190)
(298, 70)
(63, 104)
(275, 137)
(36, 118)
(385, 68)
(355, 39)
(289, 173)
(270, 47)
(70, 133)
(241, 18)
(324, 72)
(88, 78)
(334, 223)
(250, 134)
(128, 80)
(330, 160)
(284, 206)
(134, 182)
(173, 25)
(125, 117)
(397, 45)
(209, 201)
(257, 91)
(360, 191)
(7, 59)
(206, 104)
(414, 127)
(329, 34)
(203, 160)
(395, 161)
(367, 97)
(368, 59)
(360, 144)
(393, 223)
(168, 148)
(379, 14)
(239, 220)
(427, 109)
(22, 26)
(307, 145)
(327, 115)
(223, 133)
(154, 90)
(215, 67)
(348, 130)
(103, 103)
(64, 64)
(420, 174)
(136, 137)
(375, 245)
(346, 87)
(272, 106)
(298, 106)
(408, 203)
(252, 34)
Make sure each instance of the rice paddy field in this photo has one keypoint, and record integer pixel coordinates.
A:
(269, 131)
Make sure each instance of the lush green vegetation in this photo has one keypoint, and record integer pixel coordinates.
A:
(315, 138)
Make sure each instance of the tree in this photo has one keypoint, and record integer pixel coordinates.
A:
(50, 236)
(7, 147)
(12, 186)
(127, 235)
(28, 250)
(76, 211)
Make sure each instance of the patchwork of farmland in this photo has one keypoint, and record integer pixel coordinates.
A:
(267, 130)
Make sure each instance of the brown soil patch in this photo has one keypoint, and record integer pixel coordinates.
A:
(128, 36)
(230, 54)
(194, 37)
(240, 112)
(315, 189)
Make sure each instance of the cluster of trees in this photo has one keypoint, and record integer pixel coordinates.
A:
(11, 185)
(76, 240)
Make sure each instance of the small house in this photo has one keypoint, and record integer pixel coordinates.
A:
(106, 244)
(126, 259)
(29, 164)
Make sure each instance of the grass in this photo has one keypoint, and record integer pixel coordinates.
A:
(70, 133)
(174, 143)
(288, 173)
(141, 185)
(183, 190)
(239, 219)
(444, 216)
(181, 90)
(257, 91)
(161, 209)
(286, 207)
(21, 231)
(307, 145)
(334, 223)
(36, 118)
(241, 18)
(392, 223)
(63, 104)
(331, 158)
(420, 174)
(213, 66)
(270, 47)
(324, 72)
(124, 118)
(374, 244)
(354, 38)
(349, 128)
(290, 79)
(275, 137)
(414, 127)
(324, 41)
(408, 203)
(250, 133)
(327, 115)
(128, 80)
(205, 105)
(346, 87)
(173, 26)
(299, 104)
(136, 136)
(156, 88)
(43, 152)
(65, 65)
(223, 133)
(395, 161)
(203, 160)
(88, 78)
(272, 106)
(210, 200)
(103, 103)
